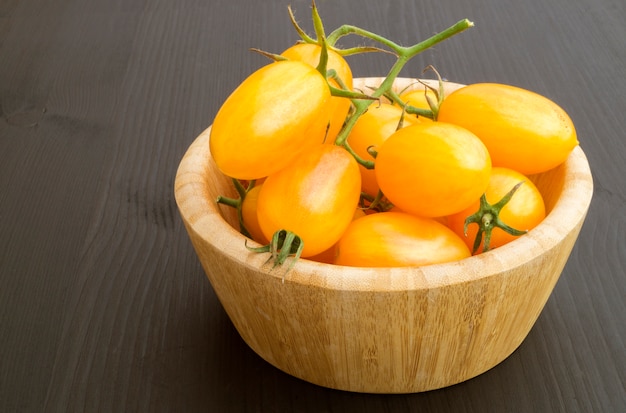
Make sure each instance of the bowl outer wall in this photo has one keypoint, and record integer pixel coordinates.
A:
(389, 330)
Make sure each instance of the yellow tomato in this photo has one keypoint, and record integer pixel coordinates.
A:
(278, 112)
(314, 197)
(523, 130)
(524, 211)
(339, 106)
(432, 169)
(397, 239)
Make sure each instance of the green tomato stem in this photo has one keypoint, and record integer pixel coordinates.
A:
(305, 37)
(408, 108)
(456, 28)
(347, 29)
(323, 63)
(359, 50)
(238, 203)
(317, 22)
(367, 164)
(404, 55)
(240, 189)
(231, 202)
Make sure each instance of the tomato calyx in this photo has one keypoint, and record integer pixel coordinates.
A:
(237, 203)
(322, 67)
(332, 38)
(488, 217)
(283, 245)
(438, 91)
(408, 108)
(433, 104)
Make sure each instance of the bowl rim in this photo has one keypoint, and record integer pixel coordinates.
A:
(204, 218)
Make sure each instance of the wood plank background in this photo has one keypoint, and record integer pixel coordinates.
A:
(103, 305)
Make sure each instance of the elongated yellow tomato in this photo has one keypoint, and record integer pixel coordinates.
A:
(339, 106)
(275, 114)
(398, 239)
(315, 197)
(432, 169)
(524, 211)
(523, 130)
(370, 130)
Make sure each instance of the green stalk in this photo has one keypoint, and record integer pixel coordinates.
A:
(404, 54)
(347, 29)
(238, 203)
(305, 37)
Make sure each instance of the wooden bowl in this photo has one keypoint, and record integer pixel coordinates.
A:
(382, 330)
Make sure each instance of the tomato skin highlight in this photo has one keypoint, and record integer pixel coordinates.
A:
(315, 197)
(278, 112)
(432, 169)
(371, 130)
(397, 239)
(522, 129)
(339, 106)
(524, 211)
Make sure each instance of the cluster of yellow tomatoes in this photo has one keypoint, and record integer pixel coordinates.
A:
(386, 188)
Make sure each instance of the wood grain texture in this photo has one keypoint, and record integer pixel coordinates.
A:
(103, 304)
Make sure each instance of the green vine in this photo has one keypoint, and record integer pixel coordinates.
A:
(403, 55)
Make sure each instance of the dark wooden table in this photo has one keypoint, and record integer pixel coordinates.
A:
(103, 304)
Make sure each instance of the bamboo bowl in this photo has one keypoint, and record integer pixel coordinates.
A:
(383, 330)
